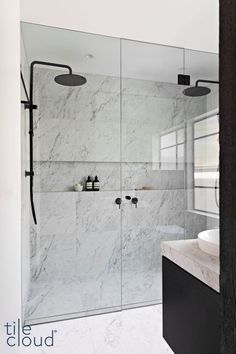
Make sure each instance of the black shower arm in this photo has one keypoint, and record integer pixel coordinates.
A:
(38, 62)
(207, 81)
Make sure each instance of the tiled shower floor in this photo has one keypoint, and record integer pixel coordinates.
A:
(136, 331)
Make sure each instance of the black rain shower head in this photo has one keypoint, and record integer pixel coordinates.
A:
(70, 80)
(197, 91)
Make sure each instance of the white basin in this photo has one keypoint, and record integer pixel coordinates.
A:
(209, 242)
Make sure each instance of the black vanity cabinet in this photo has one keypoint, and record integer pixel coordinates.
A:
(191, 318)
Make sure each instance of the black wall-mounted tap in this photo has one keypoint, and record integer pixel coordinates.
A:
(134, 201)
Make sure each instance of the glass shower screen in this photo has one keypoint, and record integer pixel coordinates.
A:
(97, 251)
(153, 150)
(75, 249)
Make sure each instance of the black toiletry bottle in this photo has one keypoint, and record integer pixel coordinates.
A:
(89, 184)
(96, 184)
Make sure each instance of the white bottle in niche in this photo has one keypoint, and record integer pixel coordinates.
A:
(96, 184)
(89, 184)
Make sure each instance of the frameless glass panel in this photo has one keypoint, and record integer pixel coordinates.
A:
(202, 145)
(168, 158)
(180, 157)
(207, 126)
(152, 114)
(76, 245)
(206, 199)
(206, 152)
(180, 136)
(168, 140)
(206, 179)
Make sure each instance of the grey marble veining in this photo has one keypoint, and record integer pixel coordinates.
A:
(196, 222)
(86, 253)
(143, 175)
(187, 255)
(62, 176)
(137, 332)
(56, 213)
(85, 258)
(83, 124)
(159, 216)
(66, 140)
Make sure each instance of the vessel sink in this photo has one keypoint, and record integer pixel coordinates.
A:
(209, 242)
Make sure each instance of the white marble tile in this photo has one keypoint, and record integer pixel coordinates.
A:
(77, 124)
(66, 140)
(194, 107)
(84, 263)
(132, 331)
(159, 216)
(77, 297)
(80, 105)
(83, 124)
(151, 88)
(143, 120)
(143, 175)
(70, 336)
(141, 287)
(62, 176)
(47, 92)
(136, 331)
(196, 222)
(56, 212)
(78, 248)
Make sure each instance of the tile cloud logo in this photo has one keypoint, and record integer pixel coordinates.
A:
(18, 336)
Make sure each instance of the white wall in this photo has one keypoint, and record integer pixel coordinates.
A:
(25, 189)
(10, 176)
(185, 23)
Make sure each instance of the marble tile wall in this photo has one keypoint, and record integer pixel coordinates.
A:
(79, 258)
(77, 131)
(62, 176)
(149, 110)
(79, 123)
(159, 216)
(82, 238)
(77, 246)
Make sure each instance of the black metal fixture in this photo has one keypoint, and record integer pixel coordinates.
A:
(64, 79)
(183, 79)
(118, 201)
(128, 197)
(134, 201)
(197, 91)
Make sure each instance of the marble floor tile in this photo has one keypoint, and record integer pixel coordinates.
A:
(137, 331)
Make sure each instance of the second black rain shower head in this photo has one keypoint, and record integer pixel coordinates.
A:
(197, 91)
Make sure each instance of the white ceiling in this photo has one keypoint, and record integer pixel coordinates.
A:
(183, 23)
(139, 60)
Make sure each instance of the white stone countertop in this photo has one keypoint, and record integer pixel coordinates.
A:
(187, 255)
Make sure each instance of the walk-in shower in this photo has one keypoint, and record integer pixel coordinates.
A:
(143, 144)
